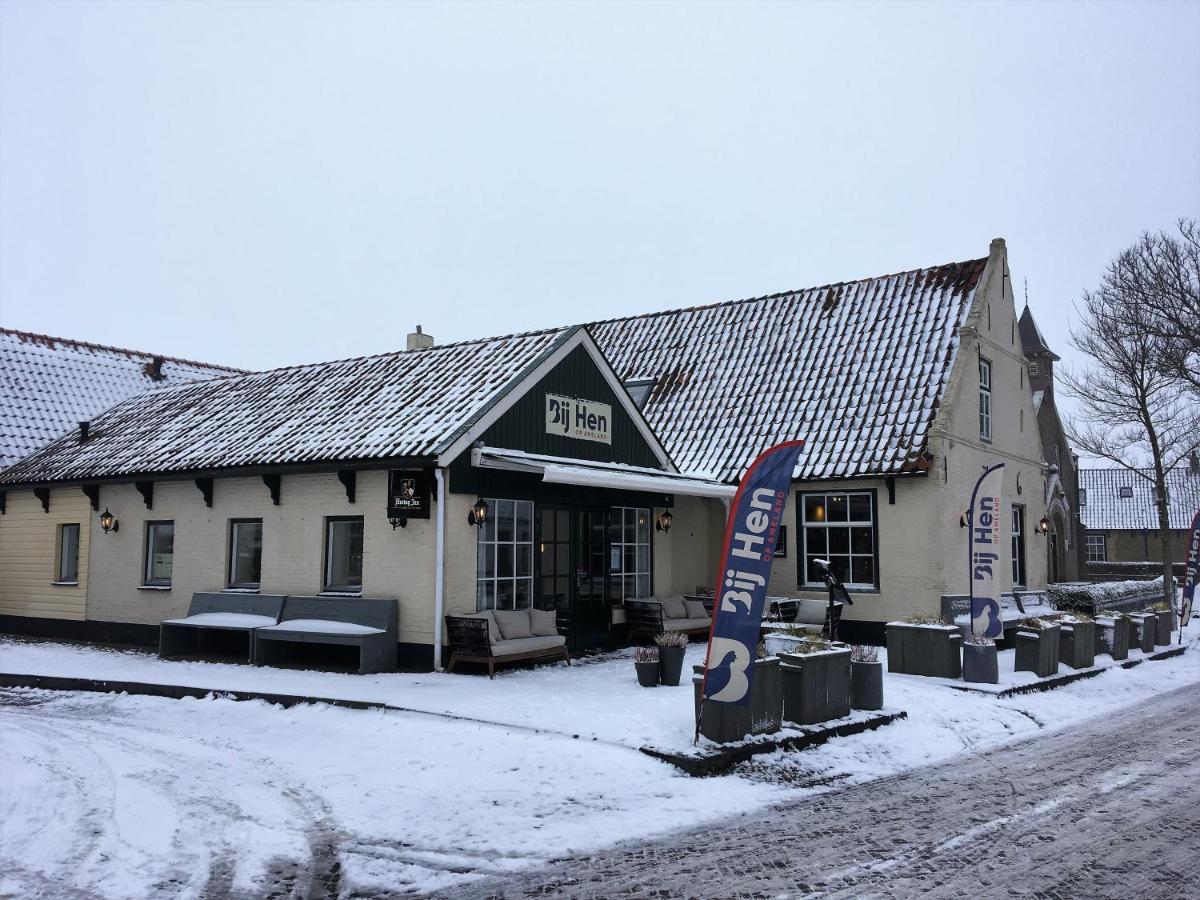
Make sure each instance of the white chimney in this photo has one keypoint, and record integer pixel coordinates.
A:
(418, 340)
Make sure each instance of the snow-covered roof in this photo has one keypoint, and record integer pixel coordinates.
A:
(404, 404)
(1104, 509)
(49, 384)
(856, 369)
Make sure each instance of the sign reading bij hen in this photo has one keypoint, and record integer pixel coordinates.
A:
(749, 550)
(583, 420)
(984, 521)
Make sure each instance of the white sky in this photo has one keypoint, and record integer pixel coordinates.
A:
(265, 183)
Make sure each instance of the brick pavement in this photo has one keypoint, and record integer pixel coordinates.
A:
(1108, 809)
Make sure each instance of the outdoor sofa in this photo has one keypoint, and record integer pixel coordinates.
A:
(215, 618)
(504, 635)
(369, 624)
(654, 615)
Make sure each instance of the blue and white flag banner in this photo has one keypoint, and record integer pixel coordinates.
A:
(749, 550)
(987, 545)
(1191, 572)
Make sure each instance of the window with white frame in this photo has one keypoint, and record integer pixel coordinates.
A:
(67, 571)
(985, 399)
(245, 553)
(504, 573)
(840, 528)
(343, 554)
(629, 553)
(160, 554)
(1097, 548)
(1018, 545)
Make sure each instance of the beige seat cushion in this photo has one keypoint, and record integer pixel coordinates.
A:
(673, 607)
(695, 609)
(528, 645)
(685, 624)
(812, 612)
(513, 623)
(543, 623)
(493, 631)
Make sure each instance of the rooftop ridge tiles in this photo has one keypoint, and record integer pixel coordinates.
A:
(48, 340)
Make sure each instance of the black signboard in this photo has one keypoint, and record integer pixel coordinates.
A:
(408, 494)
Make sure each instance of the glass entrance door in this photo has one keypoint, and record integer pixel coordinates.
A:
(591, 605)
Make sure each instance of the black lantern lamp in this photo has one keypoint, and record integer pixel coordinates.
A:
(478, 514)
(108, 522)
(1043, 526)
(397, 521)
(664, 521)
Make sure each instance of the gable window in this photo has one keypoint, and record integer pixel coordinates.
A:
(245, 553)
(985, 399)
(639, 390)
(1018, 546)
(629, 553)
(160, 554)
(68, 555)
(343, 554)
(840, 528)
(504, 556)
(1033, 367)
(1097, 548)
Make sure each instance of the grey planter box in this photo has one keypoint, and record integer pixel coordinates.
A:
(1037, 651)
(1141, 631)
(933, 650)
(816, 686)
(1077, 645)
(980, 664)
(1112, 636)
(1162, 630)
(866, 685)
(729, 722)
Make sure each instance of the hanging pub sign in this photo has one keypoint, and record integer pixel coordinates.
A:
(583, 420)
(408, 494)
(985, 541)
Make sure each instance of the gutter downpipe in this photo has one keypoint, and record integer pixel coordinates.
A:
(439, 578)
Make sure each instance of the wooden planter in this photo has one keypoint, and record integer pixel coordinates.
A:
(1141, 631)
(1077, 645)
(816, 686)
(1037, 651)
(1112, 636)
(933, 650)
(728, 722)
(980, 664)
(1162, 630)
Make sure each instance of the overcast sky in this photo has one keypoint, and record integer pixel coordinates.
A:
(264, 183)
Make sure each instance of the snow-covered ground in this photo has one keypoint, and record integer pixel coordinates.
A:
(119, 796)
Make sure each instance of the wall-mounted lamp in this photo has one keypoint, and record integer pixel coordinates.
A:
(108, 522)
(1043, 526)
(664, 521)
(478, 514)
(397, 522)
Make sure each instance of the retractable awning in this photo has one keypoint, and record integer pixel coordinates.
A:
(561, 470)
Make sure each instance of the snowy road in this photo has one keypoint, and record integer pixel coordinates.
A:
(1107, 809)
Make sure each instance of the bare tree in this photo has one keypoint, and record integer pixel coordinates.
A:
(1134, 405)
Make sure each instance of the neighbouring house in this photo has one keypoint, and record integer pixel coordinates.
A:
(599, 458)
(49, 385)
(1120, 516)
(1064, 536)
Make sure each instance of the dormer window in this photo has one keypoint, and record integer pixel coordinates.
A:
(639, 390)
(1125, 492)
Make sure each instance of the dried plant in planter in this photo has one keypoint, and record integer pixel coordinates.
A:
(813, 645)
(1034, 624)
(645, 654)
(864, 653)
(924, 620)
(671, 639)
(978, 640)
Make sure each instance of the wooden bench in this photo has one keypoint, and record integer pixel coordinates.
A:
(503, 636)
(369, 624)
(218, 614)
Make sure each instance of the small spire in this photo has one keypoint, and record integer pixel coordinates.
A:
(1027, 293)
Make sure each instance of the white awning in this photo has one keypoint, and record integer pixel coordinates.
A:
(561, 470)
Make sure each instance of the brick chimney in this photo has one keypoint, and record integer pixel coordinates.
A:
(418, 340)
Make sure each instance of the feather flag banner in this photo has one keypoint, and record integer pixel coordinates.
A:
(985, 524)
(746, 558)
(1191, 573)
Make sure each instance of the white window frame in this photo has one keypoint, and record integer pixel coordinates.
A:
(806, 524)
(327, 587)
(235, 526)
(624, 517)
(67, 550)
(518, 550)
(1018, 548)
(149, 579)
(1097, 547)
(985, 399)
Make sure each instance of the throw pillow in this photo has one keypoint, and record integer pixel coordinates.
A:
(543, 623)
(695, 609)
(493, 631)
(513, 623)
(673, 608)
